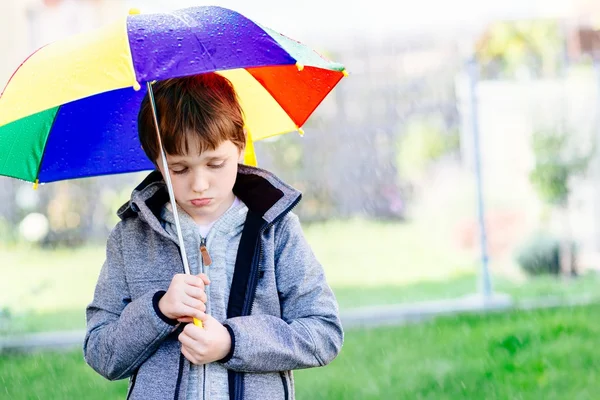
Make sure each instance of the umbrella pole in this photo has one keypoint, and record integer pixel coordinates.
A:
(167, 177)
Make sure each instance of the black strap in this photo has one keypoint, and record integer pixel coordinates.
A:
(231, 380)
(239, 285)
(243, 264)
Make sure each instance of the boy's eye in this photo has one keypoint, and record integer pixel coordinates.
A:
(221, 165)
(179, 171)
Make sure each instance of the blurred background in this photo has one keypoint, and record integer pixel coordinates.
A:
(455, 172)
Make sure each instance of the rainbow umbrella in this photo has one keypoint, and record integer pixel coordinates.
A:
(70, 110)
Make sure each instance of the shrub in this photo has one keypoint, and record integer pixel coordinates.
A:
(540, 255)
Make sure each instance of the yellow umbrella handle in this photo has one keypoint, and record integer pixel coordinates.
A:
(197, 322)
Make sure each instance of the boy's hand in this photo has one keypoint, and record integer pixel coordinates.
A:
(207, 344)
(185, 299)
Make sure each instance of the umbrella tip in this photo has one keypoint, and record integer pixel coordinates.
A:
(300, 131)
(134, 11)
(36, 184)
(344, 72)
(299, 66)
(136, 86)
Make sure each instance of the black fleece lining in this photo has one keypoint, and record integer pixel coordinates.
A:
(157, 202)
(154, 176)
(155, 299)
(256, 192)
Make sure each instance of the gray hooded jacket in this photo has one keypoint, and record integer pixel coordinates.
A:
(280, 312)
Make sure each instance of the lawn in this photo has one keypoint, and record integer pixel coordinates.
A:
(367, 263)
(543, 354)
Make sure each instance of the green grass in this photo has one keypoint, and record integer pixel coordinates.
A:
(543, 354)
(349, 297)
(534, 288)
(49, 289)
(549, 354)
(355, 253)
(367, 263)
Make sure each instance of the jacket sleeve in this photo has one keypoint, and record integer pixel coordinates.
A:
(309, 332)
(121, 334)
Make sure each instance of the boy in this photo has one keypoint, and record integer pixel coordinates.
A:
(264, 302)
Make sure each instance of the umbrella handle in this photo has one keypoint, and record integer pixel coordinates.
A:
(198, 323)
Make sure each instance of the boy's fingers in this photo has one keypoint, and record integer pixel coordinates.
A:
(188, 354)
(192, 333)
(185, 319)
(192, 312)
(194, 280)
(203, 317)
(195, 304)
(204, 278)
(185, 339)
(196, 293)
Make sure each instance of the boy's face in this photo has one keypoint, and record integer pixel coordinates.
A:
(203, 182)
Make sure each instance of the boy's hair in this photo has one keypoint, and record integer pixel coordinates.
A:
(205, 105)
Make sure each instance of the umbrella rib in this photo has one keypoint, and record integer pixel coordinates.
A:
(17, 70)
(37, 175)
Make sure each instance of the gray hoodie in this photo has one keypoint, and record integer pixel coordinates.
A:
(280, 312)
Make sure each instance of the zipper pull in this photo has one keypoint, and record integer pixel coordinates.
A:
(206, 260)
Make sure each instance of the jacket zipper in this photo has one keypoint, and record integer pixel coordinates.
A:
(249, 300)
(181, 356)
(205, 261)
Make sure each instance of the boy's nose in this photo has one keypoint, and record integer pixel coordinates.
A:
(200, 183)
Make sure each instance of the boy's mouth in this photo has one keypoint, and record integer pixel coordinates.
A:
(200, 202)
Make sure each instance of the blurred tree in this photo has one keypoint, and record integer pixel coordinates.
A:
(557, 161)
(424, 141)
(516, 48)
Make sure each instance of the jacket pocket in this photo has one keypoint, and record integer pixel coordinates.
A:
(286, 390)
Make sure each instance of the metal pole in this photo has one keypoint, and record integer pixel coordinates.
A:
(167, 178)
(485, 279)
(595, 161)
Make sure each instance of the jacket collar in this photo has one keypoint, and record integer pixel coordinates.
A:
(263, 193)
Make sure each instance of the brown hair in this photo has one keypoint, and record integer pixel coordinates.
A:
(205, 105)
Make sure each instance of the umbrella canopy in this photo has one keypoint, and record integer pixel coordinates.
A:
(70, 110)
